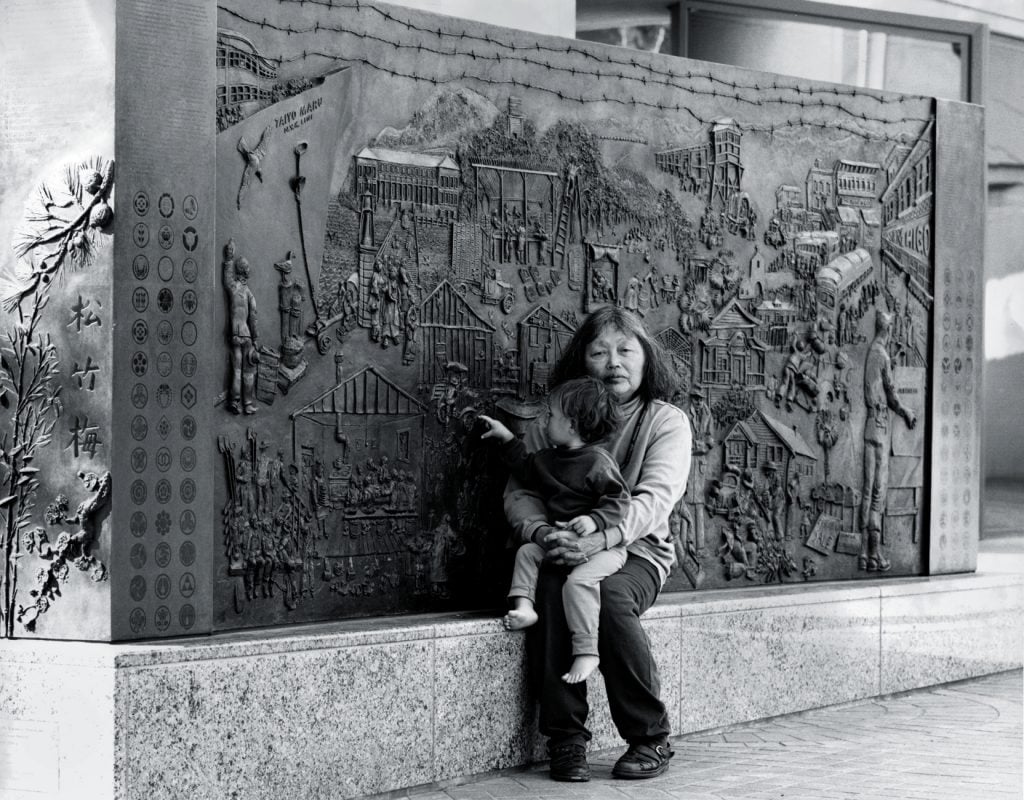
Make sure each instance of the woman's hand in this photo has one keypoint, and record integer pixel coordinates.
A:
(566, 548)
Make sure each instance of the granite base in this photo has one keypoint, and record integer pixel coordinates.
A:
(361, 707)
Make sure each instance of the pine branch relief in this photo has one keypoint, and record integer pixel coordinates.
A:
(63, 225)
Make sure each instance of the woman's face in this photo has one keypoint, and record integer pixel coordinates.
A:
(617, 359)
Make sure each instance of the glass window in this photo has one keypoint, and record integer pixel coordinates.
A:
(838, 43)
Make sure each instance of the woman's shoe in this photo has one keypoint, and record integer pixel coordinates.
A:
(569, 763)
(643, 761)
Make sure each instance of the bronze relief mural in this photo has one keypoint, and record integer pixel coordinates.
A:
(408, 219)
(774, 238)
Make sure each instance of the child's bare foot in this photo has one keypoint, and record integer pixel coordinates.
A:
(581, 668)
(519, 618)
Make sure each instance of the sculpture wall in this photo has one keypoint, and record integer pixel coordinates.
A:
(412, 216)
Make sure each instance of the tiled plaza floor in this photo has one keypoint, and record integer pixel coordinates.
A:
(960, 741)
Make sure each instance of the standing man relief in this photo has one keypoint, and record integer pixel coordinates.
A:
(244, 342)
(880, 398)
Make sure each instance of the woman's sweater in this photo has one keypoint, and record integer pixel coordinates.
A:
(655, 468)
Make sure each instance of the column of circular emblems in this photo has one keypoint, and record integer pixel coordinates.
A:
(163, 428)
(958, 353)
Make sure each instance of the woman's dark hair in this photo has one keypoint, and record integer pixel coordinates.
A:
(659, 382)
(587, 402)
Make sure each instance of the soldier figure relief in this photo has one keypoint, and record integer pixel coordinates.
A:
(244, 343)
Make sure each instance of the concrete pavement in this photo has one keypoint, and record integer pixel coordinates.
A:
(959, 741)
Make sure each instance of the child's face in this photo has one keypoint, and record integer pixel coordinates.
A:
(560, 429)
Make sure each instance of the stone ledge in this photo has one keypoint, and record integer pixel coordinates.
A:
(382, 630)
(289, 712)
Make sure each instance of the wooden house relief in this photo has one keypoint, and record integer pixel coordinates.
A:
(542, 339)
(362, 419)
(453, 333)
(732, 354)
(761, 440)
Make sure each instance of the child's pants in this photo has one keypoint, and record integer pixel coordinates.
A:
(581, 594)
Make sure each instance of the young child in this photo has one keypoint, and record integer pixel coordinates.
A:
(584, 492)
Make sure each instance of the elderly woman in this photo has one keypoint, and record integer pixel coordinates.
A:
(652, 448)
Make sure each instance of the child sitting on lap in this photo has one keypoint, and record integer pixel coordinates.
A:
(584, 492)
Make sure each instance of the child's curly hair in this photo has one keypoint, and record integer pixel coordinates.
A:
(591, 407)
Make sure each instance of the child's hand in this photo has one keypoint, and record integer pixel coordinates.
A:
(581, 525)
(495, 430)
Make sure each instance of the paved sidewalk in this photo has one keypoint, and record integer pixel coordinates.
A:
(960, 741)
